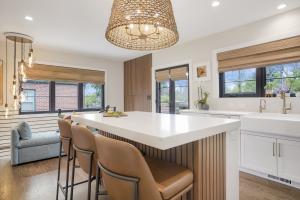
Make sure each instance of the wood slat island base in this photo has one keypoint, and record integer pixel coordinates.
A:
(206, 145)
(206, 158)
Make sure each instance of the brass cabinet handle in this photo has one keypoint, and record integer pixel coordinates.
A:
(279, 150)
(273, 148)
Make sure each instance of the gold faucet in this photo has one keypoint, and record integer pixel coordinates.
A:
(284, 108)
(262, 105)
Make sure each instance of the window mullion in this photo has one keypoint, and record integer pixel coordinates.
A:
(52, 96)
(80, 96)
(103, 95)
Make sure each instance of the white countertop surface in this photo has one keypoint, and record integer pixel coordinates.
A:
(216, 112)
(162, 131)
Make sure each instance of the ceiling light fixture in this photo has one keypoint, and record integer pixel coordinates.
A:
(142, 25)
(215, 3)
(19, 70)
(281, 6)
(28, 18)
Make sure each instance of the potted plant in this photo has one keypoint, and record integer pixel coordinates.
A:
(269, 89)
(201, 103)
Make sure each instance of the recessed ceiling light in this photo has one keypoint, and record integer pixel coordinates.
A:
(281, 6)
(28, 18)
(215, 3)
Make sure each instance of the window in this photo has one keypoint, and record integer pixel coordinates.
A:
(172, 94)
(254, 81)
(49, 96)
(181, 94)
(66, 96)
(37, 96)
(164, 97)
(239, 83)
(93, 95)
(284, 76)
(28, 105)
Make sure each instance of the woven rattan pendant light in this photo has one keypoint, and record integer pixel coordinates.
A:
(142, 24)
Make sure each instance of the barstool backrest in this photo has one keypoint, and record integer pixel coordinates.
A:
(124, 159)
(84, 139)
(66, 134)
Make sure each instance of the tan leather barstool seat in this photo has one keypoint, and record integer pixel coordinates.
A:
(128, 175)
(171, 179)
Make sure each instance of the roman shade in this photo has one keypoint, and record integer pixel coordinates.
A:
(162, 75)
(276, 52)
(57, 73)
(179, 73)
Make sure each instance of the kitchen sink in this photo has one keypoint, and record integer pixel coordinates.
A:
(274, 123)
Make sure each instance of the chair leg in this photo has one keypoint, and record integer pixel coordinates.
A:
(73, 174)
(97, 182)
(58, 173)
(90, 176)
(68, 170)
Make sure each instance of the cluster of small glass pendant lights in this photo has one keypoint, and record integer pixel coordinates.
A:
(19, 68)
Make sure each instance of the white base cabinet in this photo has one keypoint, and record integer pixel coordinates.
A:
(271, 155)
(258, 153)
(288, 154)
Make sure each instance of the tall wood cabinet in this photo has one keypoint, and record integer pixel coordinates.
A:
(137, 84)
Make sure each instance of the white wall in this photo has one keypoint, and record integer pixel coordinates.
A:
(114, 70)
(202, 50)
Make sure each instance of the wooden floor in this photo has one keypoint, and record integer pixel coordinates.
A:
(37, 181)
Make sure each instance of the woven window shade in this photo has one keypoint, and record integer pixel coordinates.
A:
(179, 73)
(56, 73)
(276, 52)
(161, 76)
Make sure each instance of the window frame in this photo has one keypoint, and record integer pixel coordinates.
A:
(80, 101)
(172, 100)
(260, 83)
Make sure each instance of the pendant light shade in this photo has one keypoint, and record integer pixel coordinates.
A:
(142, 24)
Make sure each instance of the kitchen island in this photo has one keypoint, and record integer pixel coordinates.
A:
(207, 146)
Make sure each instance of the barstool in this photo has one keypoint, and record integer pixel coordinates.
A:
(84, 150)
(66, 144)
(127, 175)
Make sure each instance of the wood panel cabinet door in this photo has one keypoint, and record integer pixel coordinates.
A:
(259, 153)
(288, 154)
(137, 84)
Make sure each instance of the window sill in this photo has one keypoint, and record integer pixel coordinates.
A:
(63, 111)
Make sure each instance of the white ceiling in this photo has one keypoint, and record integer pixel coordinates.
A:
(79, 25)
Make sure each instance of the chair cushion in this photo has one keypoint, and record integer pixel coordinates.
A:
(170, 178)
(24, 131)
(38, 139)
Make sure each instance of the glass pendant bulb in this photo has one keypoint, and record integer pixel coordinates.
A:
(22, 66)
(6, 110)
(30, 58)
(14, 85)
(22, 96)
(24, 78)
(15, 102)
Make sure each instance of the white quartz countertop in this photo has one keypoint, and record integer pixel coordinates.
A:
(162, 131)
(216, 112)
